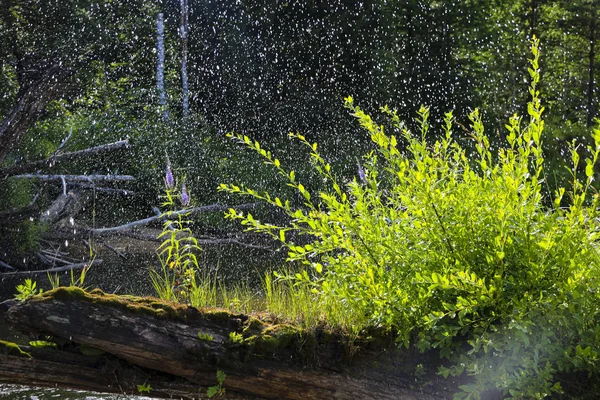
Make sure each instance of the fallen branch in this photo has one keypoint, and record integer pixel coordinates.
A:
(218, 241)
(56, 159)
(78, 178)
(146, 221)
(206, 241)
(53, 270)
(117, 252)
(103, 189)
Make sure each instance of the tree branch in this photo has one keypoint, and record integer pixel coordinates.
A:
(56, 159)
(53, 270)
(78, 178)
(146, 221)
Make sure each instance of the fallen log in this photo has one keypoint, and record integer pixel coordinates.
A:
(261, 360)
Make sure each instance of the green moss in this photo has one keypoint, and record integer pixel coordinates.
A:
(64, 293)
(98, 292)
(275, 338)
(253, 327)
(217, 315)
(12, 349)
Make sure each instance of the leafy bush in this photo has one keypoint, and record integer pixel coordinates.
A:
(456, 251)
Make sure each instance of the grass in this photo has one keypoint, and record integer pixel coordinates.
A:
(278, 299)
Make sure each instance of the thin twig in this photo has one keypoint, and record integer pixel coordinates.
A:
(117, 252)
(60, 146)
(53, 270)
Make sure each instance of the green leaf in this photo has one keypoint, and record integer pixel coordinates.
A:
(221, 377)
(212, 391)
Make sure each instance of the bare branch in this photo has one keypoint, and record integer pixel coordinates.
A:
(117, 252)
(62, 144)
(218, 241)
(103, 189)
(208, 241)
(78, 178)
(56, 159)
(53, 270)
(146, 221)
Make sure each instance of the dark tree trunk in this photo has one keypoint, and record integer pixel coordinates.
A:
(261, 360)
(32, 102)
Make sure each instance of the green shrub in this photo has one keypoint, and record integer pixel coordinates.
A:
(456, 251)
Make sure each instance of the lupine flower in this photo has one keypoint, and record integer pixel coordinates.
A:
(185, 197)
(169, 180)
(361, 174)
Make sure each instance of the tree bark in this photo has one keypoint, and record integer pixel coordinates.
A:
(265, 361)
(160, 65)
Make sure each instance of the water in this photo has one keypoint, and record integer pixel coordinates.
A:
(17, 392)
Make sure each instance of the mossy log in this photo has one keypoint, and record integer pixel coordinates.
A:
(176, 350)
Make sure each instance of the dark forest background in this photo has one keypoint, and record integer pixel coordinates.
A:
(86, 70)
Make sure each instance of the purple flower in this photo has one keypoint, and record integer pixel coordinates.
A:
(169, 180)
(185, 197)
(361, 174)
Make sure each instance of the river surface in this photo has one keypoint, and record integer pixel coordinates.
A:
(16, 392)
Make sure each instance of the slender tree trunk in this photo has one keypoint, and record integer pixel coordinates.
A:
(160, 66)
(183, 28)
(591, 112)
